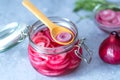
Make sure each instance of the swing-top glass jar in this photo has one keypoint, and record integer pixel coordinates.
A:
(50, 58)
(46, 56)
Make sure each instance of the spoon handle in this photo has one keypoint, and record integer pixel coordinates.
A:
(38, 14)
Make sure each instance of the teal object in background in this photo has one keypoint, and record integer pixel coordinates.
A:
(14, 63)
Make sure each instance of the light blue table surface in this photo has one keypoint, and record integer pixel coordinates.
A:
(14, 63)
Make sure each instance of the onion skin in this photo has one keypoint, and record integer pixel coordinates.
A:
(109, 50)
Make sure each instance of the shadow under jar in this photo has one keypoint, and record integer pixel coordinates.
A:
(107, 17)
(50, 58)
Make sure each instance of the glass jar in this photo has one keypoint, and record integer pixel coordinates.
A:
(107, 16)
(54, 59)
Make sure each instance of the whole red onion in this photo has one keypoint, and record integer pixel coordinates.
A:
(109, 50)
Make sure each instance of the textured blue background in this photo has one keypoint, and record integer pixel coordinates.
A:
(14, 63)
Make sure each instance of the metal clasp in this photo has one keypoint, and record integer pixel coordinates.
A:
(24, 33)
(89, 53)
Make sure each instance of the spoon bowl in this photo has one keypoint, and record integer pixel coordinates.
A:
(55, 30)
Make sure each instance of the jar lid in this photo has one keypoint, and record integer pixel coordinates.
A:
(11, 34)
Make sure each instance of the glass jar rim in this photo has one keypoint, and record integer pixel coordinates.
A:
(66, 47)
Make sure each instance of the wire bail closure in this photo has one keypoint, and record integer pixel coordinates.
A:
(89, 53)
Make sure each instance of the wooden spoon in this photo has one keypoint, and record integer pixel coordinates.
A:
(55, 29)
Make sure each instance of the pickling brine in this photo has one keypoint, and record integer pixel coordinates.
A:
(52, 62)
